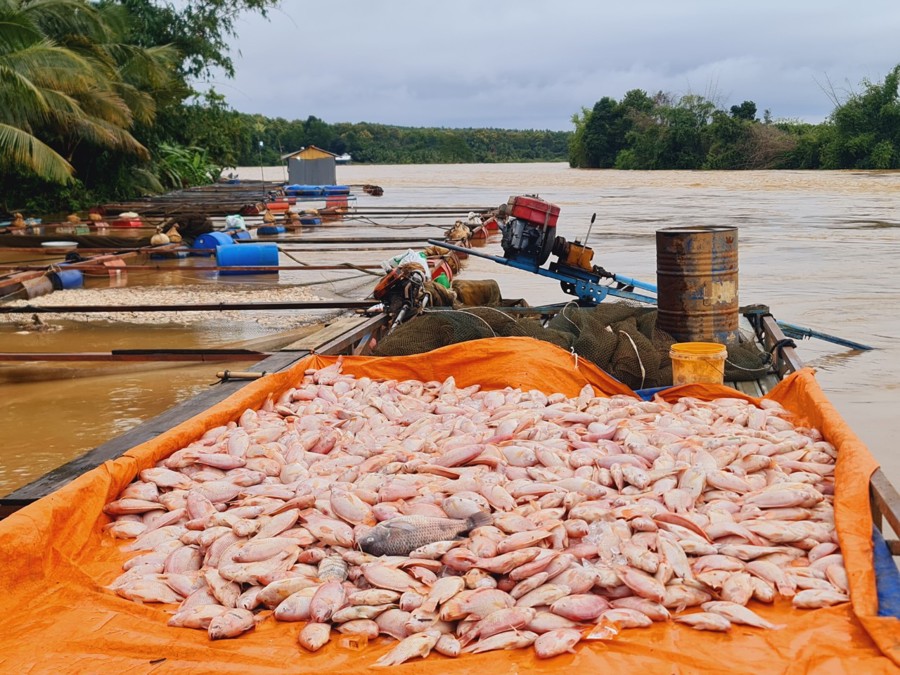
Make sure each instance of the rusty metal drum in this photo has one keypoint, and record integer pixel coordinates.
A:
(697, 282)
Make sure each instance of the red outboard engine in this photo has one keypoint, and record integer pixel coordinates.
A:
(528, 225)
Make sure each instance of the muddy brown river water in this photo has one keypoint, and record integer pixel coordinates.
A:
(820, 248)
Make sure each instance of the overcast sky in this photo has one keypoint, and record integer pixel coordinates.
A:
(529, 64)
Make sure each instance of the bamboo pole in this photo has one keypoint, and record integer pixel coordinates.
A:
(202, 268)
(137, 355)
(220, 307)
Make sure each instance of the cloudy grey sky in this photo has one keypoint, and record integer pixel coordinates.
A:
(530, 64)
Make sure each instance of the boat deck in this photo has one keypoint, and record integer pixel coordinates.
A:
(761, 386)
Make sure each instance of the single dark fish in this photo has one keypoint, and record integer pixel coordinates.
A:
(400, 535)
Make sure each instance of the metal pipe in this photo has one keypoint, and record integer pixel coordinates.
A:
(793, 330)
(226, 375)
(588, 235)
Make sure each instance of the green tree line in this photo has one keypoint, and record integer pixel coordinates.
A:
(233, 139)
(689, 132)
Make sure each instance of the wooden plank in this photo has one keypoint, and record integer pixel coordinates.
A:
(326, 335)
(768, 383)
(885, 502)
(359, 337)
(749, 387)
(788, 359)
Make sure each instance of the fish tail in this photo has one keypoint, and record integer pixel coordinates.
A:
(478, 519)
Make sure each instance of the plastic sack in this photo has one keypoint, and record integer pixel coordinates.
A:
(409, 257)
(235, 222)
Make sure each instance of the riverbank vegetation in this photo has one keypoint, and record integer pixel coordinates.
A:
(92, 96)
(689, 132)
(234, 139)
(97, 104)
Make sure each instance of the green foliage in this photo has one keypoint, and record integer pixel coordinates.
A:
(604, 134)
(690, 133)
(745, 111)
(867, 128)
(577, 157)
(725, 134)
(90, 90)
(183, 167)
(201, 30)
(73, 92)
(232, 139)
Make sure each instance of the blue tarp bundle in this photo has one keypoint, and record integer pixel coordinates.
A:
(887, 577)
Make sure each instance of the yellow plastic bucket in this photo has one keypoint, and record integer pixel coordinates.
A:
(698, 362)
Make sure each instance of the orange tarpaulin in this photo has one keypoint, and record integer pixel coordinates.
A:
(56, 616)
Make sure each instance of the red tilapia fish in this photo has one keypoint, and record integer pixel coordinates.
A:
(462, 521)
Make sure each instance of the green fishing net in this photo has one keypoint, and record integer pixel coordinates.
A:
(618, 337)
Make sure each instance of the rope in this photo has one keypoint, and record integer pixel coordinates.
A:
(462, 311)
(751, 370)
(508, 318)
(638, 355)
(563, 315)
(780, 345)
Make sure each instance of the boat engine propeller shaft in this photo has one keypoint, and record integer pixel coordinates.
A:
(528, 226)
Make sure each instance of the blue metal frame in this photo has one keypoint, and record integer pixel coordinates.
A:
(586, 290)
(799, 332)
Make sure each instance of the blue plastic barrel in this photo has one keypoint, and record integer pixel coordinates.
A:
(337, 189)
(176, 252)
(212, 240)
(270, 229)
(303, 190)
(63, 279)
(241, 235)
(248, 255)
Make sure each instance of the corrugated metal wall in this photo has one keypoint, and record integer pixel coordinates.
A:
(312, 171)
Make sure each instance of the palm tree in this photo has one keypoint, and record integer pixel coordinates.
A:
(67, 78)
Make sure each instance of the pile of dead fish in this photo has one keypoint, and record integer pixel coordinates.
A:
(460, 520)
